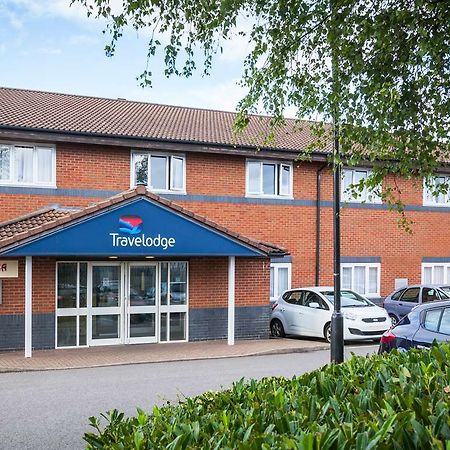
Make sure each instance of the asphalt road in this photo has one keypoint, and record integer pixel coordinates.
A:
(50, 410)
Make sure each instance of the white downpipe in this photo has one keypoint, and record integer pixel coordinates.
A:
(231, 298)
(28, 305)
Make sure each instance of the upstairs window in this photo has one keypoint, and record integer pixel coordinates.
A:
(159, 172)
(27, 165)
(352, 177)
(269, 179)
(437, 193)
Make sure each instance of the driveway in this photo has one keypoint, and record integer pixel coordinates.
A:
(50, 410)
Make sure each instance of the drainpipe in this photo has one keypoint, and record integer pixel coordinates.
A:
(319, 173)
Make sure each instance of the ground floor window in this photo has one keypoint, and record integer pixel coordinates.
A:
(280, 279)
(363, 278)
(436, 273)
(121, 302)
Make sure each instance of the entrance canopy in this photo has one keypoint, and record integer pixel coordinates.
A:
(133, 224)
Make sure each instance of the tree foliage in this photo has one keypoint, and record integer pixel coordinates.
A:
(389, 87)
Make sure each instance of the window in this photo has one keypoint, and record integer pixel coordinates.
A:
(269, 179)
(280, 279)
(27, 165)
(411, 295)
(436, 273)
(161, 173)
(432, 318)
(436, 193)
(352, 177)
(362, 278)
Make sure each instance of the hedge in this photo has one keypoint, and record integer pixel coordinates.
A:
(394, 401)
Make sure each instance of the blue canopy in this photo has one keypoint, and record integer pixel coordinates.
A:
(137, 227)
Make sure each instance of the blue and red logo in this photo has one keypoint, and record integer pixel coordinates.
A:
(130, 224)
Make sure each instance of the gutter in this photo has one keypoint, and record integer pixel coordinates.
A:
(318, 212)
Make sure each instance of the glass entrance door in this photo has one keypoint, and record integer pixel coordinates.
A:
(141, 303)
(105, 323)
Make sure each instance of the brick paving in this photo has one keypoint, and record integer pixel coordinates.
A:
(150, 353)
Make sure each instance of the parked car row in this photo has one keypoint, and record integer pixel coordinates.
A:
(412, 316)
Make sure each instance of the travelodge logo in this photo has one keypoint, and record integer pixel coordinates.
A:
(132, 226)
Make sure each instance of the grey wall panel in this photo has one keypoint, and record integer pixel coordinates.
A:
(251, 322)
(12, 331)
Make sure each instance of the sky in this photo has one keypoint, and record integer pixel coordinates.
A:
(51, 46)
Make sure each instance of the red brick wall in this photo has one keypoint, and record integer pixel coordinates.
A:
(208, 282)
(43, 288)
(365, 232)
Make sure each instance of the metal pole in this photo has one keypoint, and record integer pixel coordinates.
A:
(337, 319)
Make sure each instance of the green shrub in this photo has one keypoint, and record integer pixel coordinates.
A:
(396, 401)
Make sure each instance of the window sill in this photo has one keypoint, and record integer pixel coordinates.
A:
(163, 191)
(437, 205)
(29, 185)
(270, 197)
(361, 202)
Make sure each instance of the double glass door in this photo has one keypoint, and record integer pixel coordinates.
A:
(103, 303)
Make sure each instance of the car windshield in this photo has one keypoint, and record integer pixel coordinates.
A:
(349, 299)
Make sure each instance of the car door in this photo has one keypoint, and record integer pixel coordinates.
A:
(314, 314)
(434, 325)
(290, 311)
(408, 300)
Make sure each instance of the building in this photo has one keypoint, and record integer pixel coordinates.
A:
(89, 256)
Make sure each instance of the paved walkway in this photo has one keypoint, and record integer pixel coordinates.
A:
(150, 353)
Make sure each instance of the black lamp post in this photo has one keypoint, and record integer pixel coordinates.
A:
(337, 319)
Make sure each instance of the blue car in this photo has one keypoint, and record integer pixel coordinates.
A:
(420, 328)
(403, 300)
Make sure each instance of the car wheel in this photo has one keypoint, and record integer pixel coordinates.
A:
(394, 320)
(277, 329)
(327, 332)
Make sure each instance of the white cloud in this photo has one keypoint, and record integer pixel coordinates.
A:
(82, 39)
(49, 51)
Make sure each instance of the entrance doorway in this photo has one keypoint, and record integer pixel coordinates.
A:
(104, 303)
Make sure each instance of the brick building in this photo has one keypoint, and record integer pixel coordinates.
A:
(249, 221)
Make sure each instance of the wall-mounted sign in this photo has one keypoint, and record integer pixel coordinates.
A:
(9, 269)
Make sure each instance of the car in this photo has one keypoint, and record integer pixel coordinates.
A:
(307, 312)
(400, 302)
(425, 324)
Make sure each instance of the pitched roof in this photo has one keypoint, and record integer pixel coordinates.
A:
(66, 113)
(38, 223)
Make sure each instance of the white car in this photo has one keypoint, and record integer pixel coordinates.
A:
(307, 312)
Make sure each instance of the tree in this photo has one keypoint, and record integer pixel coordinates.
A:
(392, 67)
(378, 70)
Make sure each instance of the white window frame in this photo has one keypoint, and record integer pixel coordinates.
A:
(12, 165)
(276, 267)
(279, 165)
(169, 169)
(432, 266)
(363, 197)
(366, 274)
(429, 199)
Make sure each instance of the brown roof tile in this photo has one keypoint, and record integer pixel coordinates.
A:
(43, 220)
(30, 222)
(122, 118)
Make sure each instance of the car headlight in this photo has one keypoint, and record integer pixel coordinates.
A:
(350, 316)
